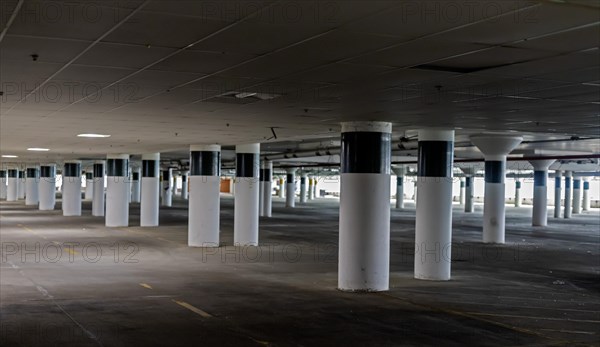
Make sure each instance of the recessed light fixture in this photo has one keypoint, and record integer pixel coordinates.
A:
(9, 156)
(93, 135)
(35, 149)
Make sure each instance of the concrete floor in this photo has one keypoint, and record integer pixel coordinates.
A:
(147, 288)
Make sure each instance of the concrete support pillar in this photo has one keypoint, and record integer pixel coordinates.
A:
(149, 205)
(3, 179)
(576, 195)
(167, 187)
(303, 188)
(311, 189)
(12, 190)
(557, 193)
(98, 192)
(586, 194)
(118, 190)
(399, 172)
(89, 185)
(136, 185)
(540, 192)
(266, 177)
(517, 193)
(315, 188)
(568, 177)
(184, 185)
(47, 187)
(495, 148)
(21, 186)
(245, 223)
(461, 194)
(281, 187)
(290, 188)
(31, 186)
(71, 191)
(204, 196)
(469, 188)
(433, 236)
(415, 192)
(364, 227)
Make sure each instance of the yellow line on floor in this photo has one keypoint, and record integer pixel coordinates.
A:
(68, 249)
(193, 309)
(30, 230)
(146, 285)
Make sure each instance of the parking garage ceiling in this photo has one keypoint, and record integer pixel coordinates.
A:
(161, 75)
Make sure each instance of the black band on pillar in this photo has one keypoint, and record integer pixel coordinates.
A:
(47, 171)
(32, 173)
(366, 152)
(183, 178)
(2, 173)
(205, 163)
(166, 175)
(435, 158)
(494, 171)
(586, 185)
(247, 165)
(567, 182)
(399, 180)
(117, 167)
(21, 174)
(468, 181)
(135, 176)
(89, 176)
(98, 170)
(149, 168)
(290, 178)
(302, 180)
(13, 173)
(540, 178)
(72, 170)
(265, 175)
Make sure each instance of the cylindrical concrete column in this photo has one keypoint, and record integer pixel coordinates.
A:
(469, 188)
(315, 188)
(31, 186)
(184, 185)
(245, 222)
(167, 186)
(461, 193)
(517, 193)
(281, 187)
(3, 179)
(149, 206)
(415, 186)
(364, 227)
(433, 237)
(557, 193)
(89, 185)
(12, 192)
(540, 192)
(310, 188)
(290, 188)
(586, 194)
(266, 176)
(21, 186)
(204, 196)
(71, 191)
(303, 188)
(495, 148)
(567, 212)
(576, 195)
(47, 187)
(98, 191)
(136, 189)
(399, 172)
(118, 190)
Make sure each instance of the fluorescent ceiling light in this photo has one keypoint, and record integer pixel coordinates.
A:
(93, 135)
(9, 156)
(35, 149)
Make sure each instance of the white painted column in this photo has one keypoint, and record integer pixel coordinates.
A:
(557, 193)
(576, 195)
(31, 186)
(539, 215)
(568, 177)
(21, 186)
(586, 194)
(315, 188)
(469, 188)
(433, 228)
(415, 185)
(364, 227)
(136, 189)
(149, 207)
(245, 222)
(71, 188)
(290, 188)
(266, 177)
(12, 190)
(167, 186)
(517, 193)
(399, 172)
(303, 188)
(495, 148)
(89, 185)
(281, 187)
(118, 190)
(3, 180)
(204, 196)
(311, 188)
(47, 187)
(184, 184)
(98, 197)
(461, 194)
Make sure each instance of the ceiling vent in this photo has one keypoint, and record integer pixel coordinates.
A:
(242, 98)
